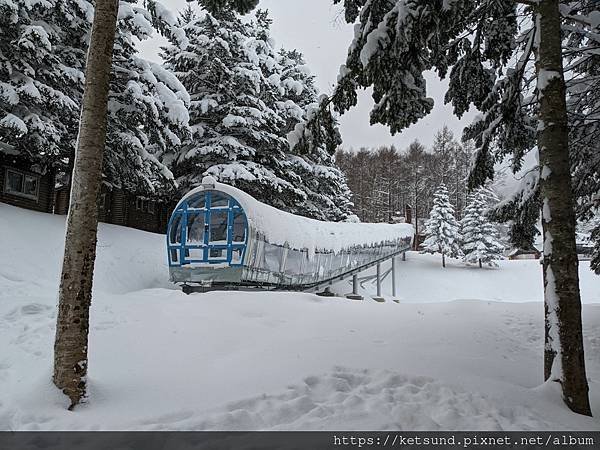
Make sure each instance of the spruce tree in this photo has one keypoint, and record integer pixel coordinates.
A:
(442, 229)
(581, 41)
(147, 114)
(42, 61)
(42, 58)
(480, 239)
(246, 98)
(325, 185)
(235, 133)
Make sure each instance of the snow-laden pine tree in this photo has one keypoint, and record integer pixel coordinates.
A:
(581, 43)
(325, 186)
(515, 132)
(246, 98)
(506, 59)
(42, 57)
(43, 50)
(442, 229)
(147, 109)
(235, 133)
(480, 239)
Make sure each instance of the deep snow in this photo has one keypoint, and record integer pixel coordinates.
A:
(226, 360)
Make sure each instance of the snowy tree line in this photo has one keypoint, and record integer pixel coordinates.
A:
(224, 103)
(384, 181)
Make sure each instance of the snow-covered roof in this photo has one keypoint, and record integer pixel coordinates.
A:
(282, 228)
(523, 251)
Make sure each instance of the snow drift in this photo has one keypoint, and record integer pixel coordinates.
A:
(279, 361)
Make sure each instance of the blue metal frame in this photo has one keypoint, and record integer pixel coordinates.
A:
(182, 248)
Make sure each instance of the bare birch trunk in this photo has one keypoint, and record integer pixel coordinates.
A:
(75, 291)
(563, 357)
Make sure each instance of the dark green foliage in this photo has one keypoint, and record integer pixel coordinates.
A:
(246, 99)
(42, 58)
(240, 6)
(41, 89)
(490, 51)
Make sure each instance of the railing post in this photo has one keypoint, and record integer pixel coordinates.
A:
(378, 279)
(379, 298)
(393, 276)
(354, 295)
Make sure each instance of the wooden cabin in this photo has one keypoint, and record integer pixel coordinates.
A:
(524, 253)
(118, 207)
(23, 184)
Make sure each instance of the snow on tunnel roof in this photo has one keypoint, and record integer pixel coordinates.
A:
(283, 228)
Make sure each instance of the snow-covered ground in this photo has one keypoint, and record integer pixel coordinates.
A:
(462, 349)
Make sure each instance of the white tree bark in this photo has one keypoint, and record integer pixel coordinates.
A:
(75, 291)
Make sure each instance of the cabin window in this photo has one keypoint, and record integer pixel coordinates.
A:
(144, 205)
(102, 201)
(219, 200)
(22, 184)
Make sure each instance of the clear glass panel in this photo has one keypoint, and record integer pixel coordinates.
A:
(174, 256)
(293, 264)
(175, 231)
(236, 255)
(217, 254)
(239, 227)
(259, 255)
(30, 187)
(195, 228)
(197, 254)
(273, 257)
(198, 201)
(14, 181)
(218, 200)
(218, 227)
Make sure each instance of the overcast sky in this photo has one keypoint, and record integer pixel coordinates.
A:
(317, 29)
